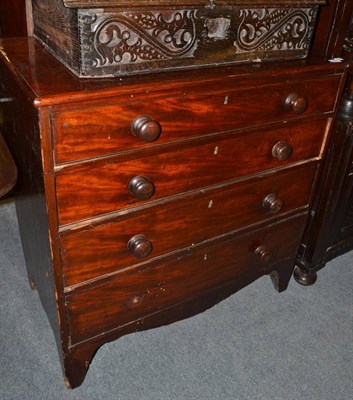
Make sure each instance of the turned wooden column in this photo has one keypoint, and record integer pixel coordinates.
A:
(329, 232)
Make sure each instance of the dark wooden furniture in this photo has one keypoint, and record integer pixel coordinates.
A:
(329, 231)
(120, 37)
(13, 21)
(8, 169)
(331, 29)
(145, 200)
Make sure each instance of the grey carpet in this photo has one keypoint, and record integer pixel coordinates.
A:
(257, 344)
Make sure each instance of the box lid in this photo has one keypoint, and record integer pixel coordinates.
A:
(169, 3)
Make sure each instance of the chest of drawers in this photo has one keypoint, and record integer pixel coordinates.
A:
(145, 200)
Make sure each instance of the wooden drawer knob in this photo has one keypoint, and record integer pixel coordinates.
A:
(263, 254)
(296, 103)
(146, 129)
(282, 150)
(139, 246)
(141, 188)
(272, 203)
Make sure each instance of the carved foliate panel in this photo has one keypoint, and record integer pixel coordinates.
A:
(122, 42)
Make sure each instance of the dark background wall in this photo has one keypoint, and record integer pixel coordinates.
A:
(13, 18)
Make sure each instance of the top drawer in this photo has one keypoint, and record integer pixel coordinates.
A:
(120, 124)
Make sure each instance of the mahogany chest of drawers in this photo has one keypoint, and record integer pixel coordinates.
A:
(145, 200)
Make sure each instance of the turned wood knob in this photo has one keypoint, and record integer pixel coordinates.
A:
(296, 103)
(141, 188)
(282, 150)
(263, 254)
(139, 246)
(272, 203)
(146, 129)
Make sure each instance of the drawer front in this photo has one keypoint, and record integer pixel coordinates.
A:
(96, 130)
(128, 298)
(180, 224)
(93, 189)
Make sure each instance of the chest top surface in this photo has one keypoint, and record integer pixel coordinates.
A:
(48, 82)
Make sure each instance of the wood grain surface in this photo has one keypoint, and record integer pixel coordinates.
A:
(92, 189)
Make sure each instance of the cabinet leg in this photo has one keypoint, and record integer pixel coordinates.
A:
(281, 277)
(304, 276)
(76, 364)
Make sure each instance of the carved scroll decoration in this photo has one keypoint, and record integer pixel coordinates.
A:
(144, 36)
(141, 37)
(274, 29)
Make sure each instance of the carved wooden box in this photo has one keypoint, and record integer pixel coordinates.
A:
(96, 38)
